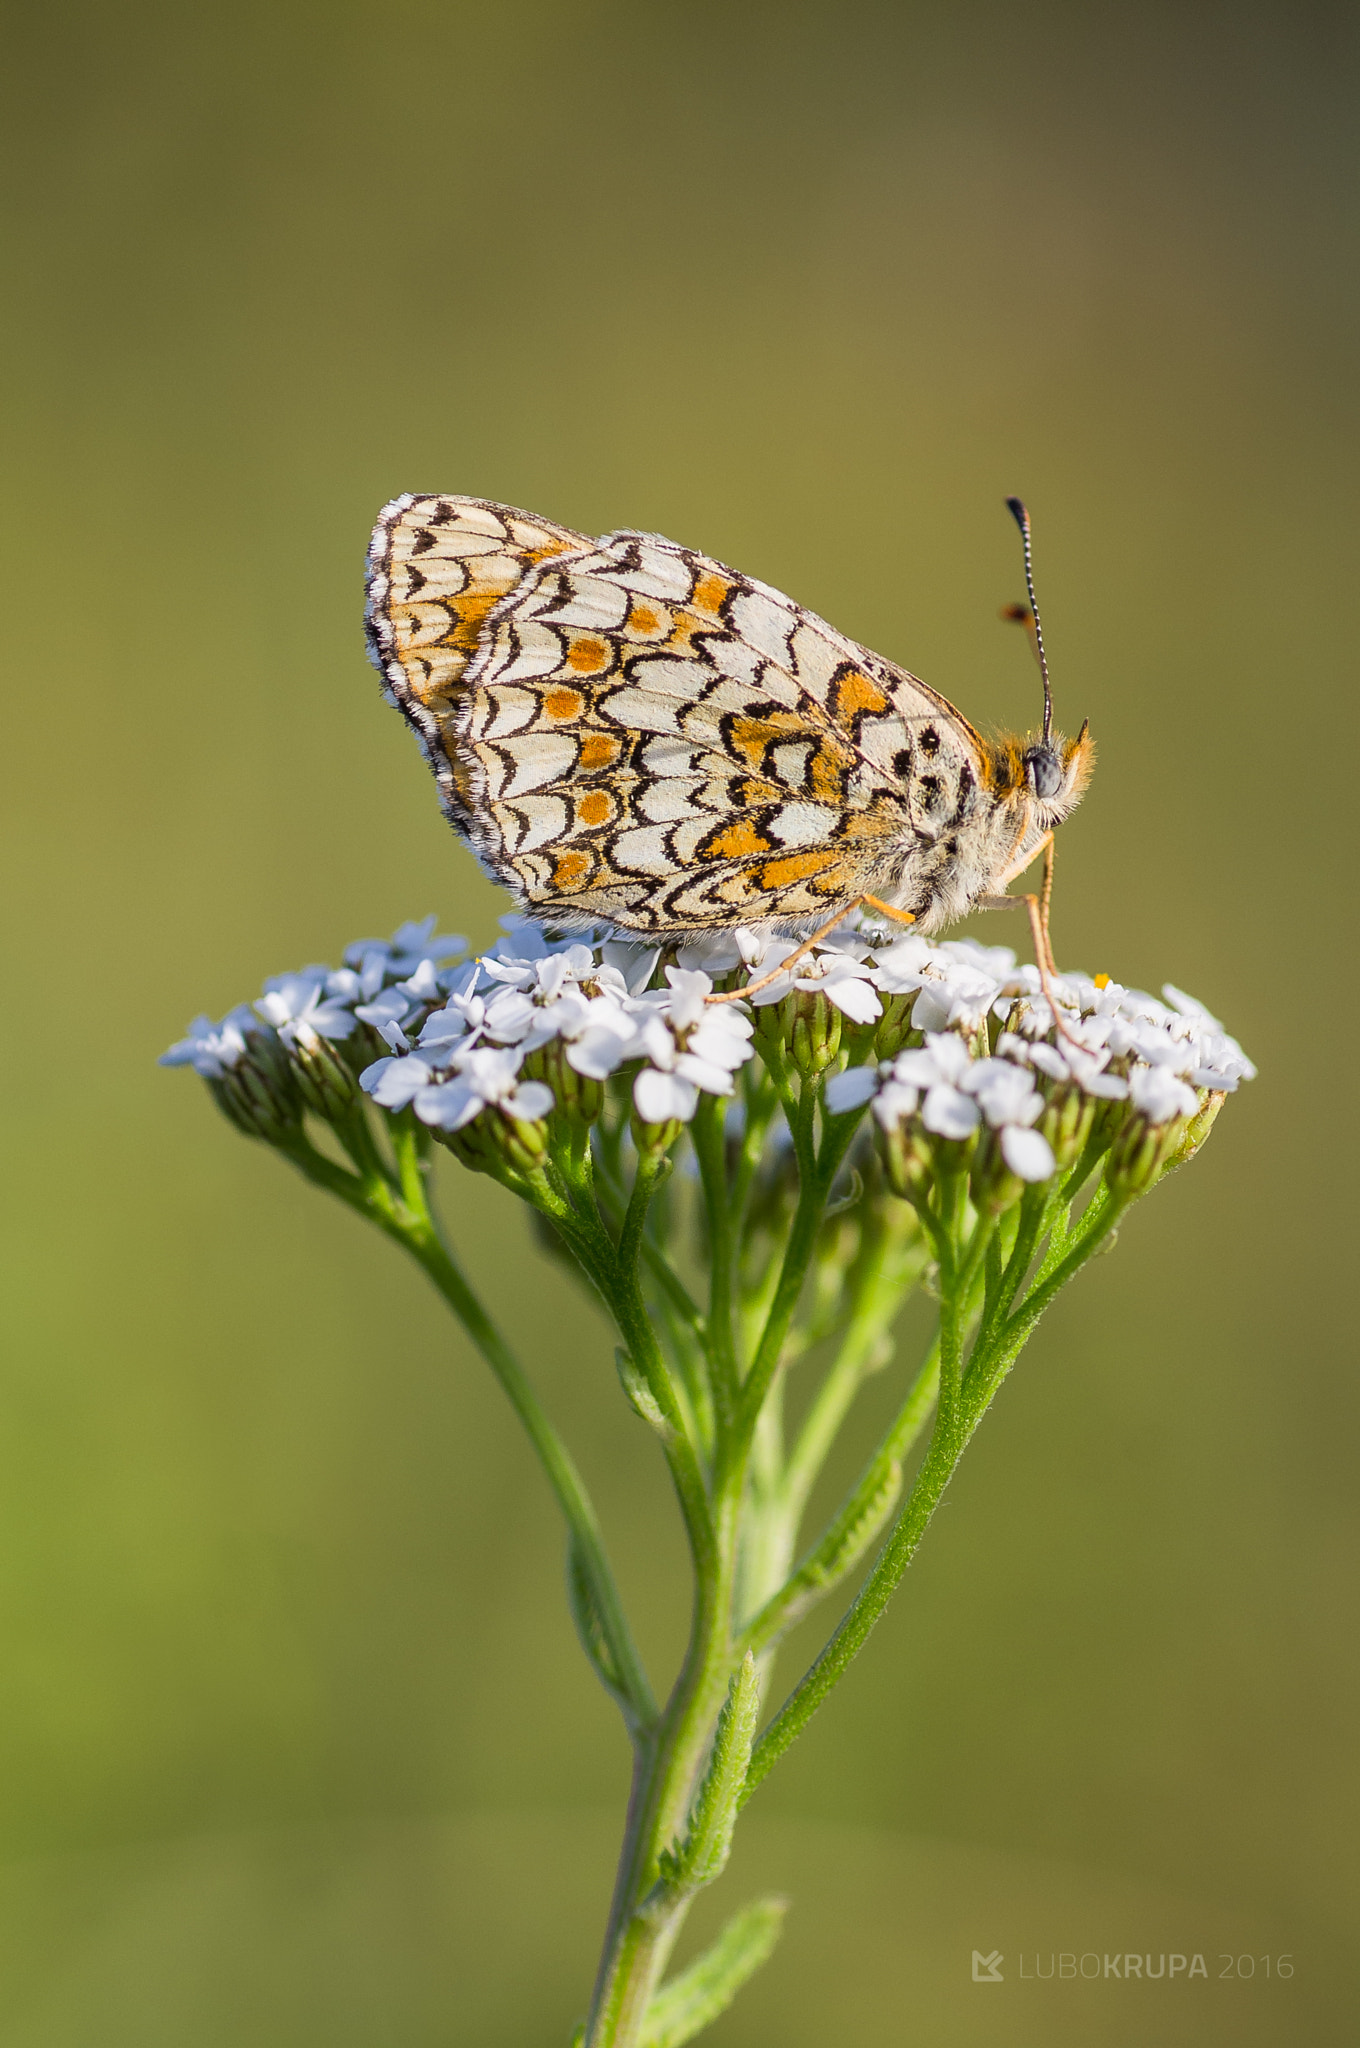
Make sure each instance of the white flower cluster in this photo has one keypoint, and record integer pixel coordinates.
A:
(323, 1002)
(1116, 1044)
(459, 1031)
(593, 1001)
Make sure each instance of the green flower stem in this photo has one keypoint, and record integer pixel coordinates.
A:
(1004, 1346)
(641, 1934)
(817, 1169)
(411, 1222)
(621, 1293)
(710, 1147)
(880, 1283)
(613, 1203)
(836, 1552)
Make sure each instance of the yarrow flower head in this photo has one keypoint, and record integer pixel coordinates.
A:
(951, 1047)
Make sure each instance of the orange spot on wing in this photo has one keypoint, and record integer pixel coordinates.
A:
(795, 867)
(738, 838)
(598, 750)
(828, 775)
(594, 807)
(471, 610)
(751, 736)
(881, 821)
(855, 692)
(587, 656)
(570, 870)
(643, 621)
(710, 593)
(564, 704)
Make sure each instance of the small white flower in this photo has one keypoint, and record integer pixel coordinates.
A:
(1159, 1095)
(849, 984)
(1027, 1153)
(713, 954)
(949, 1055)
(688, 990)
(1003, 1092)
(851, 1089)
(1189, 1007)
(894, 1101)
(425, 985)
(297, 1005)
(391, 1007)
(949, 1112)
(403, 953)
(664, 1098)
(393, 1083)
(213, 1049)
(486, 1076)
(635, 963)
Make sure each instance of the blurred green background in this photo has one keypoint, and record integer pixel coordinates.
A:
(296, 1746)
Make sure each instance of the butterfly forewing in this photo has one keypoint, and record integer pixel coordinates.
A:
(647, 737)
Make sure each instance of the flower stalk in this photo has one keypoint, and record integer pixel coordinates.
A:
(751, 1191)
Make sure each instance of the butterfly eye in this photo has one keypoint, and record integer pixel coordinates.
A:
(1045, 771)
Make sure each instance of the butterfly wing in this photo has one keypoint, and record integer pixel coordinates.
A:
(649, 738)
(437, 567)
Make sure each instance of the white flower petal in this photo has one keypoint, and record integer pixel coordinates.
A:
(895, 1100)
(531, 1100)
(660, 1098)
(949, 1113)
(1160, 1095)
(933, 1008)
(449, 1106)
(395, 1082)
(1027, 1153)
(851, 1090)
(688, 990)
(854, 997)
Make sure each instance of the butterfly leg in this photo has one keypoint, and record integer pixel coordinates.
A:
(1037, 908)
(733, 995)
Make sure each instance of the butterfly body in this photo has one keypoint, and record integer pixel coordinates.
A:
(630, 733)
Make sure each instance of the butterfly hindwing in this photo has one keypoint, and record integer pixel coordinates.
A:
(648, 737)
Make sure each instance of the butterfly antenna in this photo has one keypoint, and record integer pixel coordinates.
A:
(1016, 508)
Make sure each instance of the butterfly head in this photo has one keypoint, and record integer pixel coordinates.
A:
(1056, 772)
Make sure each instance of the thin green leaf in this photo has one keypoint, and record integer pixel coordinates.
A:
(694, 1999)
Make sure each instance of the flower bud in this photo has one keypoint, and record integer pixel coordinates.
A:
(324, 1078)
(1066, 1123)
(652, 1140)
(579, 1099)
(1140, 1152)
(260, 1093)
(493, 1142)
(806, 1026)
(908, 1155)
(895, 1027)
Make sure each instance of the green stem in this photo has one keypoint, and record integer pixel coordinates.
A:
(710, 1147)
(836, 1551)
(816, 1171)
(641, 1934)
(880, 1282)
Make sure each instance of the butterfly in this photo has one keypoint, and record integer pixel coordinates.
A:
(630, 733)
